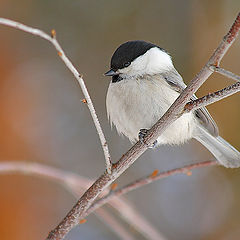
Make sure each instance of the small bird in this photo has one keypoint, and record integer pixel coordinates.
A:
(144, 85)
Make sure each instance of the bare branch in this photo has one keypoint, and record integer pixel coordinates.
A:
(72, 182)
(176, 109)
(144, 181)
(35, 169)
(52, 39)
(174, 112)
(212, 97)
(76, 184)
(225, 73)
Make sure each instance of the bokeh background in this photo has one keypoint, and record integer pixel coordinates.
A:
(42, 119)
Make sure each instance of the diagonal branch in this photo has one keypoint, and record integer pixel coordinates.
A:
(218, 95)
(72, 182)
(176, 109)
(76, 184)
(174, 112)
(52, 39)
(144, 181)
(212, 97)
(225, 73)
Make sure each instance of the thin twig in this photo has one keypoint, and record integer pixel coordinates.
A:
(72, 182)
(65, 178)
(212, 97)
(174, 112)
(76, 184)
(52, 39)
(176, 109)
(144, 181)
(225, 73)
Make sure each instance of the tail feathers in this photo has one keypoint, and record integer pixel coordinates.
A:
(224, 152)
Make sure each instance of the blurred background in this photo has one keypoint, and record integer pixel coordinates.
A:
(43, 120)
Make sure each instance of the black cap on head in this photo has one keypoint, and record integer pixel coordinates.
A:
(129, 51)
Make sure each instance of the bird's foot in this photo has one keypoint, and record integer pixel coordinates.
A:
(141, 135)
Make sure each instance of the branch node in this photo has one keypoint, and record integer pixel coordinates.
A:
(113, 186)
(84, 100)
(154, 173)
(213, 67)
(53, 33)
(82, 221)
(109, 166)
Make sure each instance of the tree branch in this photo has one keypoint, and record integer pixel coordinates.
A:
(72, 182)
(144, 181)
(175, 111)
(212, 97)
(218, 95)
(225, 73)
(76, 184)
(52, 39)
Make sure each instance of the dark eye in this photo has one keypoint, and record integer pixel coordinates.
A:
(127, 64)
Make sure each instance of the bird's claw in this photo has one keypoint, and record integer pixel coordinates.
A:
(141, 135)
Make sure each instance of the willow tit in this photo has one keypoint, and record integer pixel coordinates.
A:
(144, 85)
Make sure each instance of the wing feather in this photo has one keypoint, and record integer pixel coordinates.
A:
(175, 80)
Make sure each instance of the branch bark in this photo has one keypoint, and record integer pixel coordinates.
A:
(174, 112)
(226, 73)
(212, 97)
(176, 109)
(144, 181)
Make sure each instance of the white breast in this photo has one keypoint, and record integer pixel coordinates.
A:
(136, 103)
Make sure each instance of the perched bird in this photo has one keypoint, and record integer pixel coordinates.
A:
(144, 85)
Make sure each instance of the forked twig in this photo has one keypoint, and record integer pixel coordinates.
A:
(174, 112)
(212, 97)
(225, 73)
(144, 181)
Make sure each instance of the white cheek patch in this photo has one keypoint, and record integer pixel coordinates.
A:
(152, 62)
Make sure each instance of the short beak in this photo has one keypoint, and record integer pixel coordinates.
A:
(110, 73)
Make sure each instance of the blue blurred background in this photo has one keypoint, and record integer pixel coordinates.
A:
(43, 120)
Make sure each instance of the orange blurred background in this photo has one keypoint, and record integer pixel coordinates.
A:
(43, 120)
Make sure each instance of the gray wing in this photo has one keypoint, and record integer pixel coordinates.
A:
(206, 120)
(175, 80)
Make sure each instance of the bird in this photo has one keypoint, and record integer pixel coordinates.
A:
(144, 84)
